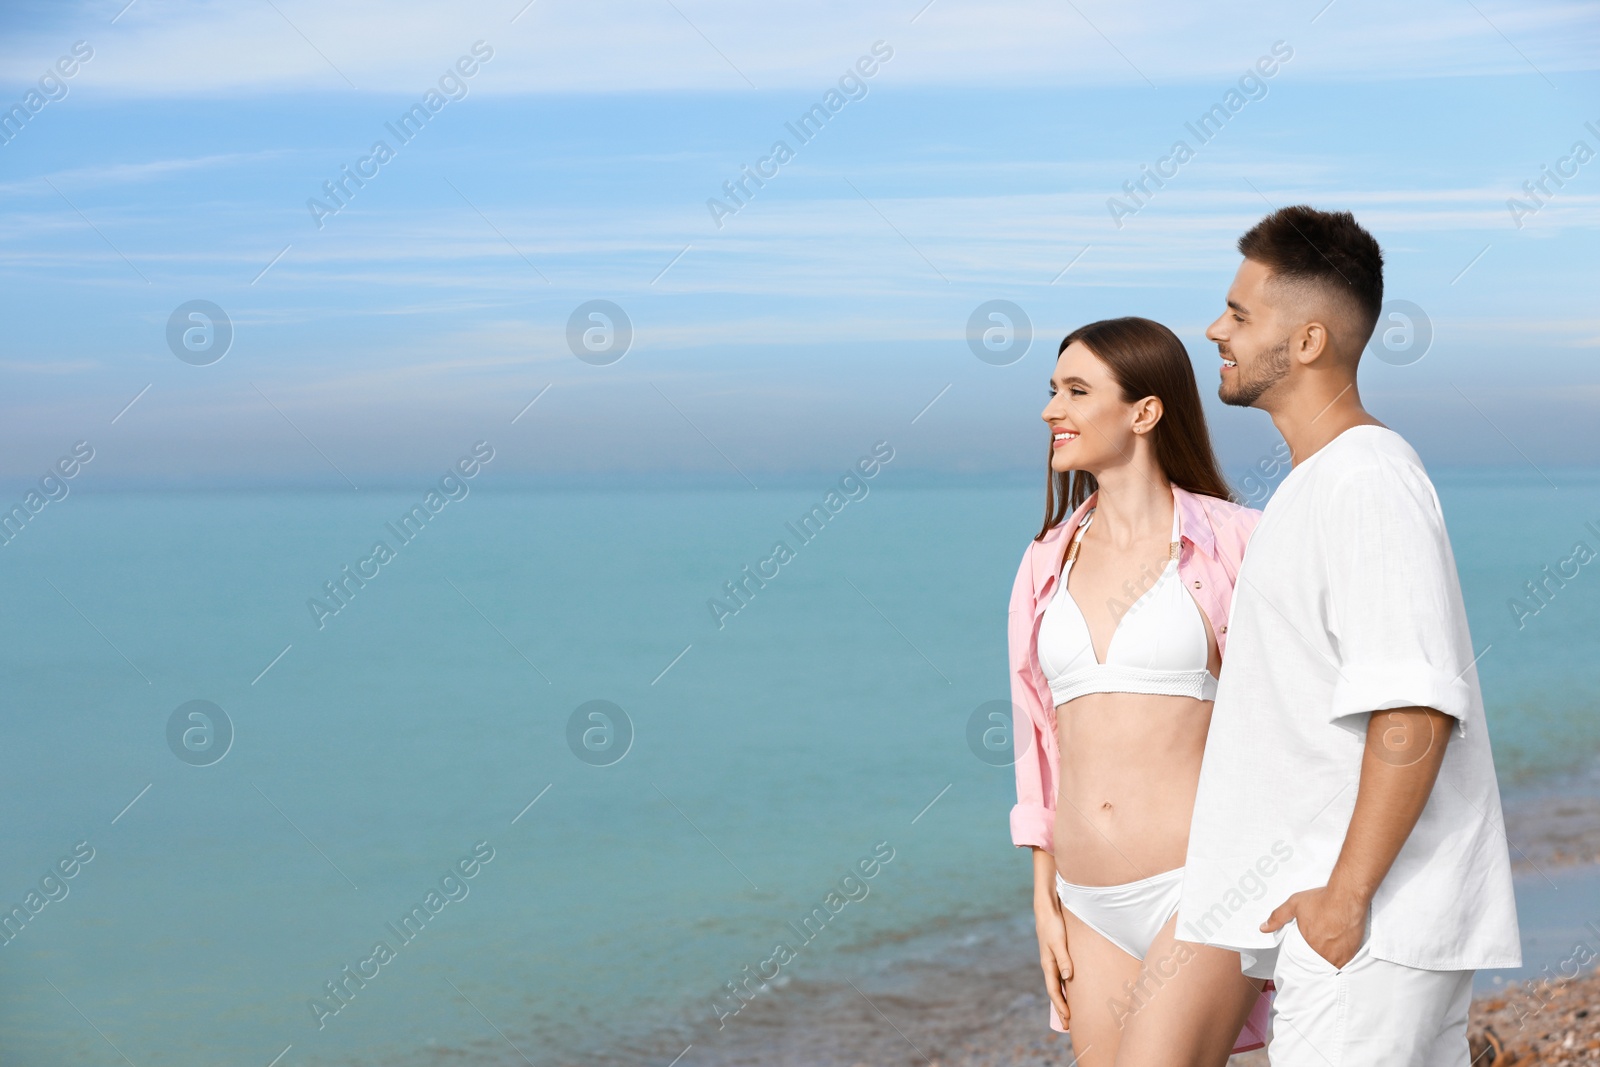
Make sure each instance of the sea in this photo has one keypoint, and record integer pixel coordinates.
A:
(558, 773)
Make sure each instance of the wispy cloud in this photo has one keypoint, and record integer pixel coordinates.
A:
(841, 290)
(399, 46)
(122, 173)
(50, 366)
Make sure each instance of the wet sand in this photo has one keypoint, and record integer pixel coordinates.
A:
(1555, 824)
(976, 1000)
(973, 996)
(996, 1019)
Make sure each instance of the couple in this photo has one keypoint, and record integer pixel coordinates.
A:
(1312, 834)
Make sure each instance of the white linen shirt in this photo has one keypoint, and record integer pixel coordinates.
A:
(1347, 603)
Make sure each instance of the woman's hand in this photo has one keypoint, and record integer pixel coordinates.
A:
(1052, 932)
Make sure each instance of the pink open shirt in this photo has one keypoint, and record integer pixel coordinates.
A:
(1214, 533)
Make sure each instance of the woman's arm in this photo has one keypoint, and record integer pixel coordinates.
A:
(1033, 817)
(1052, 932)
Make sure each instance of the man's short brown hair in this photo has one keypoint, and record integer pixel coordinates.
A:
(1325, 251)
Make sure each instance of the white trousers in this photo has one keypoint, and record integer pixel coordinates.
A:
(1369, 1011)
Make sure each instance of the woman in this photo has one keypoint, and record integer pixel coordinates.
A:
(1117, 625)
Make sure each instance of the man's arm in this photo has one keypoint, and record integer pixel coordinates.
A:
(1404, 750)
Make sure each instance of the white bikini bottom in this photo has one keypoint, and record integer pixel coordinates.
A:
(1129, 915)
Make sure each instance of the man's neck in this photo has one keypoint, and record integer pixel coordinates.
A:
(1311, 419)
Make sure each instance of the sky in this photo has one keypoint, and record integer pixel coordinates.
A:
(971, 153)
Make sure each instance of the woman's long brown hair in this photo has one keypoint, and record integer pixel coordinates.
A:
(1146, 359)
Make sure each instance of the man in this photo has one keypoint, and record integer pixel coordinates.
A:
(1347, 836)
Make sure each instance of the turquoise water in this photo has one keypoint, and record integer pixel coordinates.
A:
(764, 762)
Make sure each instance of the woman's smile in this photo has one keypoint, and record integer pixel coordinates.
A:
(1060, 437)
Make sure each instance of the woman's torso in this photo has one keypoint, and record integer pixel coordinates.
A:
(1130, 761)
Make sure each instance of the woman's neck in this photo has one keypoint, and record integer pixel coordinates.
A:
(1133, 505)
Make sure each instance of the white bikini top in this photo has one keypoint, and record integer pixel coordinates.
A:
(1159, 645)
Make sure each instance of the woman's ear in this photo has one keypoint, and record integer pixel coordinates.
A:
(1146, 413)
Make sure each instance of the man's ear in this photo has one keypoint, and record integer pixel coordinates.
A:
(1311, 342)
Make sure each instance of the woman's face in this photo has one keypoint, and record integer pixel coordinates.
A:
(1092, 428)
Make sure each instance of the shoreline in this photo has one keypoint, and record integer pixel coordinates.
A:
(975, 999)
(970, 995)
(1555, 823)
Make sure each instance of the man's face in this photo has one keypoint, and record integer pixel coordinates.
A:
(1251, 339)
